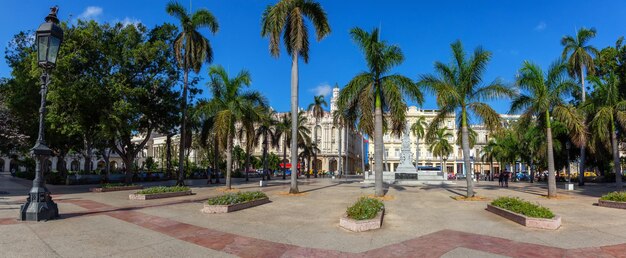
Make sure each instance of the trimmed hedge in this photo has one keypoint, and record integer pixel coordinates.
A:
(365, 208)
(614, 196)
(163, 189)
(235, 198)
(525, 208)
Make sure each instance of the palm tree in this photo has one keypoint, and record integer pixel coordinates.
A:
(317, 109)
(579, 55)
(543, 101)
(266, 133)
(247, 132)
(231, 105)
(377, 91)
(459, 89)
(283, 129)
(418, 130)
(288, 16)
(610, 112)
(192, 50)
(489, 152)
(440, 146)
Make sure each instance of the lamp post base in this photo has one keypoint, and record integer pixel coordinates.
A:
(39, 206)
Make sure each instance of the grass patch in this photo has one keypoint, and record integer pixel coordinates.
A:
(365, 208)
(614, 196)
(163, 189)
(113, 185)
(525, 208)
(235, 198)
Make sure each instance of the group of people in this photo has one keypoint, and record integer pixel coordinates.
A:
(503, 178)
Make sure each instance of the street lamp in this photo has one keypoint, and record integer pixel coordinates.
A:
(39, 204)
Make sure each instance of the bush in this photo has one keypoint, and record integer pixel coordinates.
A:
(28, 174)
(235, 198)
(365, 208)
(55, 178)
(113, 185)
(615, 196)
(525, 208)
(163, 189)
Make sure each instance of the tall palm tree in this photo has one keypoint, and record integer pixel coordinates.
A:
(192, 50)
(418, 129)
(489, 152)
(579, 55)
(377, 91)
(231, 105)
(283, 130)
(317, 109)
(288, 17)
(440, 146)
(543, 100)
(266, 133)
(247, 132)
(610, 113)
(459, 88)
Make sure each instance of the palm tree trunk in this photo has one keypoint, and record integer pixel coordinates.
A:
(315, 152)
(378, 145)
(417, 152)
(181, 150)
(216, 163)
(339, 158)
(490, 169)
(168, 157)
(347, 151)
(247, 161)
(616, 164)
(551, 179)
(285, 157)
(466, 154)
(229, 159)
(581, 167)
(265, 159)
(294, 122)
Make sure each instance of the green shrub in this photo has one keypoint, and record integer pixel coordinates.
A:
(163, 189)
(615, 196)
(365, 208)
(235, 198)
(112, 185)
(525, 208)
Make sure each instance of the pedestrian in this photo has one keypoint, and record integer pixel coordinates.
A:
(500, 179)
(507, 174)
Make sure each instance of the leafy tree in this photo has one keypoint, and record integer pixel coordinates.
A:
(376, 91)
(459, 89)
(579, 55)
(612, 60)
(192, 49)
(317, 109)
(418, 129)
(543, 101)
(230, 105)
(266, 133)
(610, 115)
(288, 16)
(10, 137)
(440, 146)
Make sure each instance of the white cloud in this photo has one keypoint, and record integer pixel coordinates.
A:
(128, 21)
(91, 12)
(541, 26)
(322, 89)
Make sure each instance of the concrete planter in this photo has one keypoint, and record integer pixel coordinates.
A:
(117, 188)
(136, 196)
(612, 204)
(234, 207)
(362, 225)
(553, 223)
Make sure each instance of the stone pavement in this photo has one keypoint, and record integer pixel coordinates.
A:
(419, 222)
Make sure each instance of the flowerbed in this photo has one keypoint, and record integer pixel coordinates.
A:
(613, 200)
(234, 201)
(160, 192)
(365, 214)
(525, 213)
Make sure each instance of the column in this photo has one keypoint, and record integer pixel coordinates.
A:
(7, 165)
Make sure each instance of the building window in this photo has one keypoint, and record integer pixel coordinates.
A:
(386, 152)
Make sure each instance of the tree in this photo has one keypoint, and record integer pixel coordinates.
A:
(289, 16)
(230, 105)
(192, 50)
(284, 130)
(317, 109)
(459, 89)
(266, 133)
(489, 152)
(377, 91)
(418, 130)
(10, 137)
(610, 115)
(543, 101)
(579, 56)
(440, 146)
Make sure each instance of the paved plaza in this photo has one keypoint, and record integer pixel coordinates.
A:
(421, 221)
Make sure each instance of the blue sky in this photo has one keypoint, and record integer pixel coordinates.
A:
(513, 31)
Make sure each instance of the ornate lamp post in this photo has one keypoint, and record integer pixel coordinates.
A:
(39, 204)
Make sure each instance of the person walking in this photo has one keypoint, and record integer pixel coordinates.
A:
(501, 179)
(507, 175)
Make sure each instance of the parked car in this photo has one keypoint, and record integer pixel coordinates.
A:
(253, 173)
